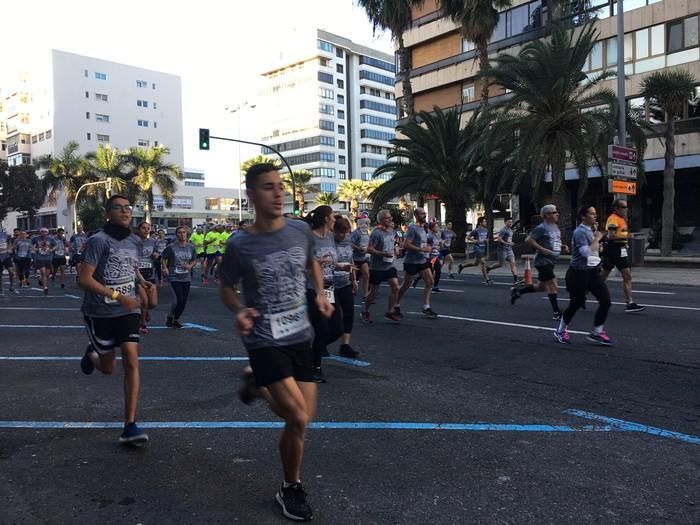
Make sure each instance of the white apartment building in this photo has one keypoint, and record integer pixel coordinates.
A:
(328, 106)
(89, 101)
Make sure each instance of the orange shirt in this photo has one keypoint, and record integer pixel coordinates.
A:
(619, 228)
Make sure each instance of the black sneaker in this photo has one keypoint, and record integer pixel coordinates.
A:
(318, 376)
(176, 324)
(86, 364)
(392, 316)
(415, 283)
(347, 351)
(633, 308)
(169, 322)
(460, 267)
(133, 435)
(397, 311)
(556, 316)
(514, 294)
(293, 502)
(246, 393)
(428, 312)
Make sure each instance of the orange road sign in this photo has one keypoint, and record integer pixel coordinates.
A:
(622, 186)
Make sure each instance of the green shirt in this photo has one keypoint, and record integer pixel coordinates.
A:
(213, 246)
(223, 238)
(197, 240)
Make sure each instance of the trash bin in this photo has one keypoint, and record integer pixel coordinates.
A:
(637, 247)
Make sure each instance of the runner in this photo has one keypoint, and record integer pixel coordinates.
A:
(478, 237)
(77, 245)
(147, 261)
(6, 262)
(43, 247)
(382, 251)
(177, 260)
(22, 248)
(226, 232)
(161, 245)
(448, 236)
(546, 240)
(197, 240)
(109, 277)
(344, 283)
(274, 259)
(59, 256)
(360, 258)
(615, 252)
(504, 248)
(436, 257)
(211, 246)
(583, 276)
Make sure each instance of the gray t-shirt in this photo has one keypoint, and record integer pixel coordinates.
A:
(116, 263)
(273, 267)
(324, 251)
(4, 246)
(548, 236)
(78, 242)
(146, 261)
(419, 238)
(581, 239)
(22, 248)
(343, 250)
(42, 248)
(60, 247)
(178, 256)
(382, 240)
(360, 238)
(448, 237)
(435, 242)
(480, 235)
(507, 235)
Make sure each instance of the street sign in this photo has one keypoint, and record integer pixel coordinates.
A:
(622, 153)
(622, 171)
(622, 186)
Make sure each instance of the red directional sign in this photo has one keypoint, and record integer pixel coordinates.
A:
(622, 153)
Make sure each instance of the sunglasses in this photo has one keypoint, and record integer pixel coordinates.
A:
(122, 207)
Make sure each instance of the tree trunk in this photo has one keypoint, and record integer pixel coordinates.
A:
(404, 71)
(482, 48)
(667, 213)
(300, 200)
(455, 213)
(148, 207)
(562, 200)
(488, 212)
(354, 206)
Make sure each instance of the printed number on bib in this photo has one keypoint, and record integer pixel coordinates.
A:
(181, 269)
(556, 246)
(145, 265)
(290, 322)
(330, 294)
(623, 252)
(124, 289)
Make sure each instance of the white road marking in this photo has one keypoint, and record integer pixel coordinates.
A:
(501, 323)
(644, 304)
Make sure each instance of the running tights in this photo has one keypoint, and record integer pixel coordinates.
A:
(437, 271)
(326, 330)
(346, 303)
(580, 282)
(180, 290)
(23, 265)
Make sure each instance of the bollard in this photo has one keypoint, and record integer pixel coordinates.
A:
(528, 270)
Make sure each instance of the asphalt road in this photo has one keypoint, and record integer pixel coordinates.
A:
(478, 417)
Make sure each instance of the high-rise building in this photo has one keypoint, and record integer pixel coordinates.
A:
(329, 108)
(659, 34)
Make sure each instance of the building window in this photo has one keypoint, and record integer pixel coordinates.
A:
(87, 94)
(467, 45)
(102, 138)
(87, 115)
(89, 137)
(307, 158)
(341, 144)
(144, 143)
(378, 121)
(342, 175)
(323, 61)
(373, 134)
(339, 68)
(153, 85)
(141, 83)
(155, 106)
(325, 46)
(341, 129)
(329, 173)
(142, 103)
(143, 123)
(467, 93)
(101, 97)
(683, 34)
(155, 143)
(85, 73)
(155, 124)
(376, 77)
(325, 93)
(325, 77)
(100, 76)
(33, 139)
(341, 159)
(328, 187)
(328, 125)
(376, 106)
(341, 114)
(99, 117)
(341, 99)
(339, 53)
(48, 134)
(340, 84)
(375, 62)
(326, 109)
(325, 140)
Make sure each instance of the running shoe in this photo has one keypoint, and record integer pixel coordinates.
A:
(397, 311)
(514, 294)
(143, 329)
(415, 283)
(347, 351)
(293, 502)
(318, 376)
(205, 281)
(556, 316)
(562, 337)
(14, 291)
(451, 276)
(86, 364)
(176, 324)
(169, 322)
(133, 435)
(246, 393)
(632, 308)
(392, 316)
(516, 279)
(600, 338)
(46, 291)
(487, 282)
(63, 286)
(460, 267)
(429, 313)
(436, 289)
(366, 318)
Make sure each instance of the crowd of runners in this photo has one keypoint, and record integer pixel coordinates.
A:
(291, 284)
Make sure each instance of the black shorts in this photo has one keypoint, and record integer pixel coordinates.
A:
(272, 364)
(58, 262)
(444, 252)
(211, 257)
(7, 262)
(43, 263)
(202, 255)
(379, 276)
(413, 269)
(358, 264)
(148, 274)
(76, 259)
(545, 273)
(613, 258)
(108, 333)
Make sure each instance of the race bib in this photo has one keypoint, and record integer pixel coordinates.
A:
(388, 259)
(623, 252)
(181, 269)
(145, 265)
(60, 253)
(127, 289)
(3, 247)
(556, 246)
(330, 294)
(290, 322)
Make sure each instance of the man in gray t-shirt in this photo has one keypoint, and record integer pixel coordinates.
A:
(416, 262)
(504, 247)
(381, 267)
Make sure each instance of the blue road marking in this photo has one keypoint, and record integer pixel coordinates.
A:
(352, 362)
(348, 361)
(629, 426)
(203, 328)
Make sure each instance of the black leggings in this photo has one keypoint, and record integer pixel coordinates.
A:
(344, 301)
(437, 271)
(180, 290)
(578, 283)
(326, 331)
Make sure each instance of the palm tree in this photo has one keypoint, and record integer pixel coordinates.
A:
(354, 191)
(669, 91)
(64, 173)
(432, 159)
(148, 168)
(550, 110)
(477, 20)
(327, 199)
(302, 178)
(395, 16)
(107, 162)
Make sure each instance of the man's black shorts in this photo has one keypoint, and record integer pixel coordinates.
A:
(58, 262)
(7, 262)
(545, 273)
(76, 259)
(272, 364)
(43, 263)
(413, 269)
(358, 263)
(202, 255)
(108, 333)
(613, 258)
(379, 276)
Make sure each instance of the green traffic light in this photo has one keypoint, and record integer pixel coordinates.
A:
(203, 138)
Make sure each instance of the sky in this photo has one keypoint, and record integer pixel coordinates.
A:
(218, 48)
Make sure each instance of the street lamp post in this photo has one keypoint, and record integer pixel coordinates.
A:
(237, 109)
(107, 181)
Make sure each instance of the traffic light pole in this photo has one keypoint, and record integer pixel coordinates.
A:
(291, 173)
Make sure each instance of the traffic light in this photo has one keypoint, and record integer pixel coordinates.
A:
(296, 208)
(203, 138)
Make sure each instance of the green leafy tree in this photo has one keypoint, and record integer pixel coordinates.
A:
(92, 214)
(669, 91)
(327, 199)
(477, 20)
(258, 159)
(148, 169)
(302, 180)
(107, 162)
(22, 190)
(354, 192)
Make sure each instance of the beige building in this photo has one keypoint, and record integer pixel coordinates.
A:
(659, 34)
